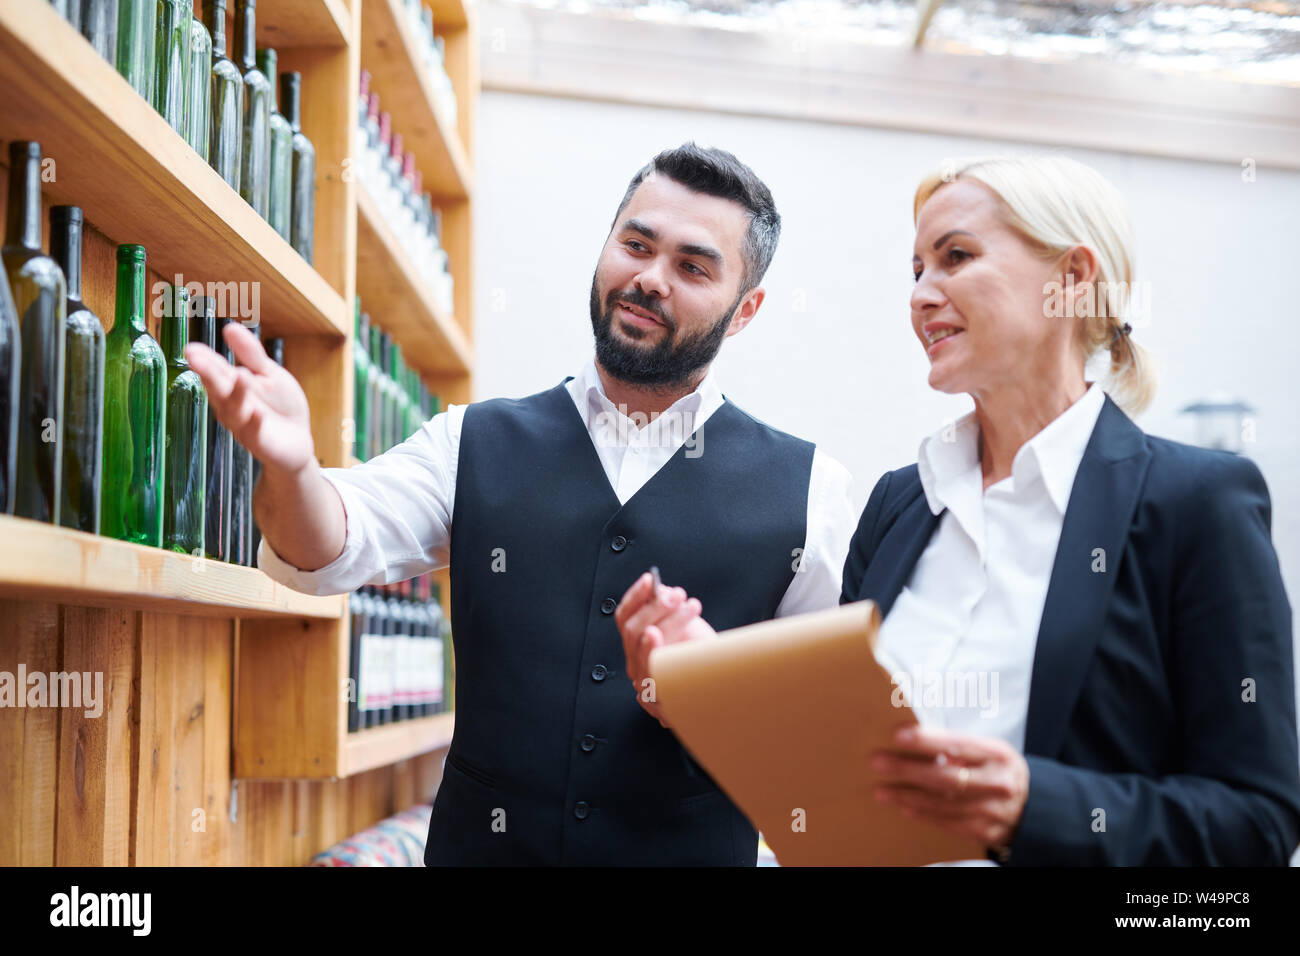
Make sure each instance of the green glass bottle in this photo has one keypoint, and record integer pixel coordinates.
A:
(137, 22)
(360, 392)
(281, 152)
(171, 61)
(302, 228)
(220, 445)
(135, 394)
(40, 298)
(226, 128)
(83, 383)
(99, 26)
(10, 371)
(255, 159)
(374, 397)
(186, 423)
(198, 88)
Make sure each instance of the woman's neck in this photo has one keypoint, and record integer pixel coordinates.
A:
(1010, 416)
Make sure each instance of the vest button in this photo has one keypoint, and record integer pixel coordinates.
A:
(598, 672)
(619, 543)
(588, 743)
(607, 606)
(580, 810)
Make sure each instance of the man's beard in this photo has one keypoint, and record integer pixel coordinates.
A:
(666, 363)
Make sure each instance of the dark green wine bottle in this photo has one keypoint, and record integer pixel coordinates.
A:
(198, 87)
(360, 391)
(171, 61)
(281, 152)
(137, 22)
(10, 371)
(220, 444)
(135, 394)
(40, 299)
(375, 428)
(275, 349)
(241, 492)
(99, 26)
(83, 383)
(255, 165)
(302, 227)
(186, 422)
(226, 128)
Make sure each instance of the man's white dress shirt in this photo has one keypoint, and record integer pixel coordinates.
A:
(399, 505)
(960, 637)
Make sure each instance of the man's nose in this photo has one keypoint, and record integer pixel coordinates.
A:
(653, 280)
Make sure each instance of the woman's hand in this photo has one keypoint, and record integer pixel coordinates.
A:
(969, 785)
(649, 617)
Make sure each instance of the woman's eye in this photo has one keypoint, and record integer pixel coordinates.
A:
(916, 275)
(957, 255)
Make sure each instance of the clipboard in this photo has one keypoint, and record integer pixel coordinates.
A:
(784, 715)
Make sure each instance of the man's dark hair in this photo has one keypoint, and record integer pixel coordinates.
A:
(717, 172)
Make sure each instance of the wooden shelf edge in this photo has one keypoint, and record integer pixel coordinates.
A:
(46, 562)
(139, 181)
(381, 746)
(302, 23)
(446, 337)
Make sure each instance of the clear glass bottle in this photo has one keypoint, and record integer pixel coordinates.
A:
(280, 198)
(198, 89)
(186, 425)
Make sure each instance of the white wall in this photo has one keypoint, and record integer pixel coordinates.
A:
(831, 356)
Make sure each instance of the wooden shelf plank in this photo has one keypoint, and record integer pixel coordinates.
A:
(390, 53)
(285, 24)
(380, 746)
(46, 562)
(139, 181)
(395, 296)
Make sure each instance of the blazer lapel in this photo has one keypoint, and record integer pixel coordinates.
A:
(896, 555)
(1102, 501)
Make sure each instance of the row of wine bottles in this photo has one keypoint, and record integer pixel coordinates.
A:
(227, 110)
(389, 400)
(433, 55)
(110, 434)
(388, 174)
(399, 658)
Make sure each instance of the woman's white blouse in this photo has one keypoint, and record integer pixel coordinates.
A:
(960, 638)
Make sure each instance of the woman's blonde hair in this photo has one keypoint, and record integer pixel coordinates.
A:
(1056, 203)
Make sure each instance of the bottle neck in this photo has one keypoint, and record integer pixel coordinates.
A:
(23, 214)
(130, 296)
(291, 100)
(266, 62)
(215, 21)
(174, 330)
(65, 249)
(246, 34)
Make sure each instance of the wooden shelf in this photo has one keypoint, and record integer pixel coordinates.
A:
(46, 562)
(397, 74)
(379, 746)
(139, 181)
(394, 295)
(284, 24)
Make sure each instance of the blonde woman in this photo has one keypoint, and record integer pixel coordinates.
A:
(1110, 600)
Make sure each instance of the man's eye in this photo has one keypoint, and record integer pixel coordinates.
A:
(634, 245)
(693, 268)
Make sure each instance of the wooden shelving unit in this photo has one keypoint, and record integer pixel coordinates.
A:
(217, 678)
(292, 718)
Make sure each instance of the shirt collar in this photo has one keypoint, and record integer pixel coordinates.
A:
(698, 405)
(949, 455)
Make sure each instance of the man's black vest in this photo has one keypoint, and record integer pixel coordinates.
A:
(553, 760)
